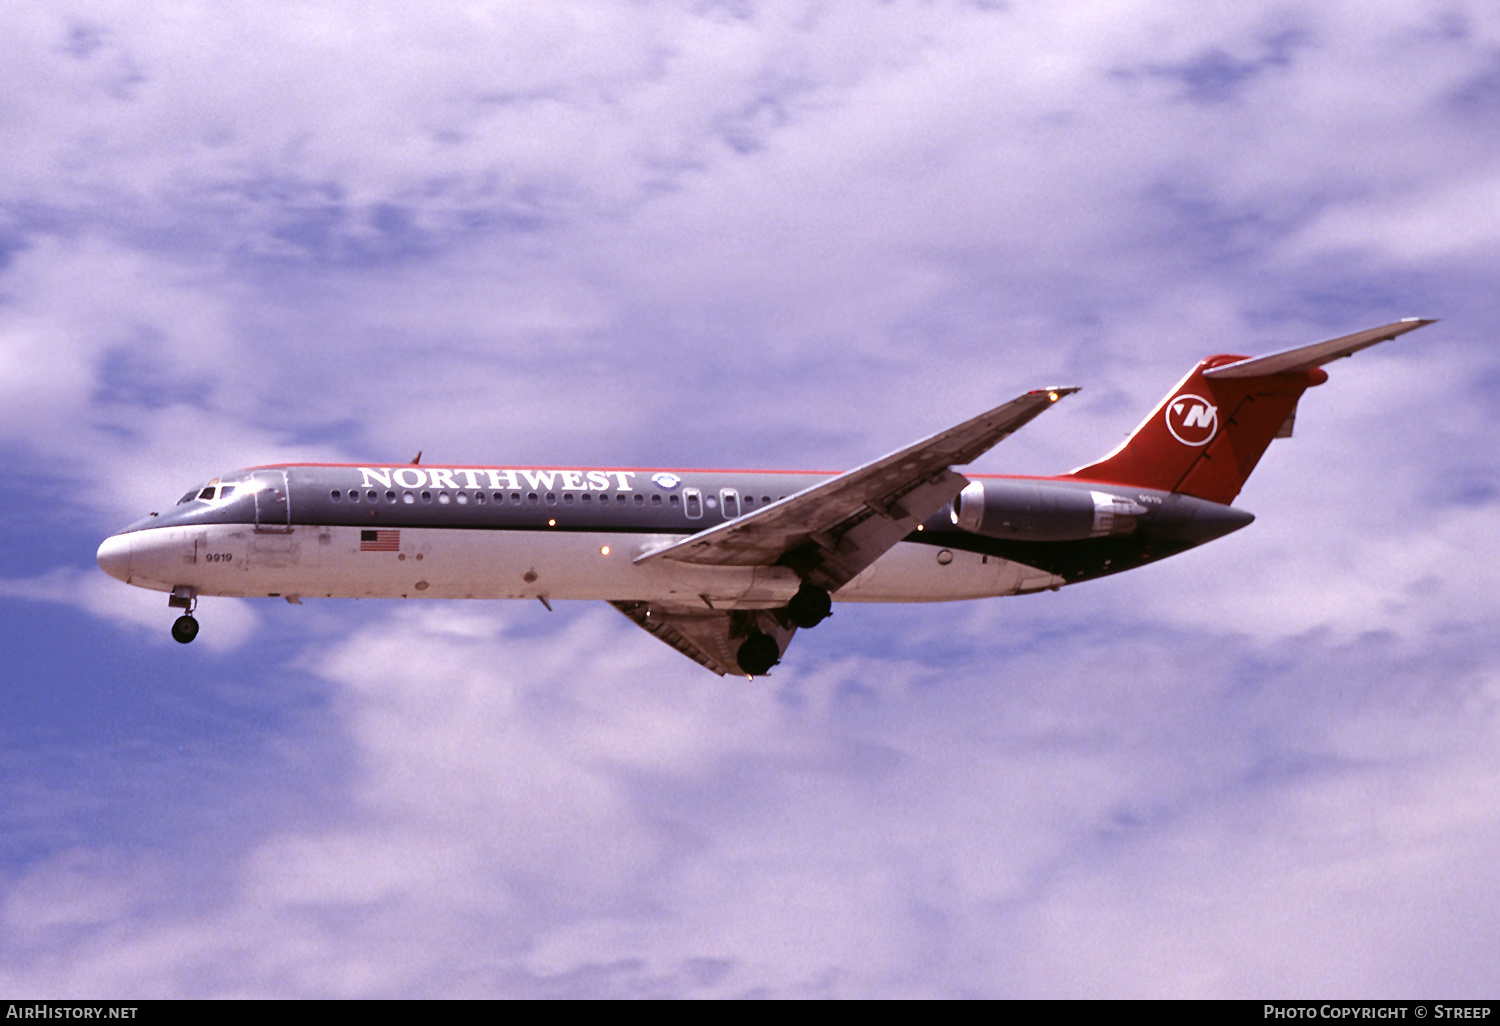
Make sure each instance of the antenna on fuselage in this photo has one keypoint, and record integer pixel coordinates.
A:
(417, 458)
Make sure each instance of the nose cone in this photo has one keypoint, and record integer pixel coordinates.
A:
(114, 556)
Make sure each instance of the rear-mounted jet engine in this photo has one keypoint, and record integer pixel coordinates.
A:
(1043, 511)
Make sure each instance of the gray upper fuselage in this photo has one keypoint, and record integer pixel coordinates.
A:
(486, 498)
(647, 501)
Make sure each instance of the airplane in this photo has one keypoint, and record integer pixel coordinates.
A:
(727, 565)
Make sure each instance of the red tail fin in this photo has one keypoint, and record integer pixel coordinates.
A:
(1207, 435)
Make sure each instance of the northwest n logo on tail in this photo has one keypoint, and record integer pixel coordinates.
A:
(1192, 419)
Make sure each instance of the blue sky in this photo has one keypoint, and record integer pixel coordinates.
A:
(779, 234)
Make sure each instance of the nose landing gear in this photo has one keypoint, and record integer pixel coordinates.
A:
(185, 628)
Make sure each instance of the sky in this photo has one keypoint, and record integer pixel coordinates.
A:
(782, 234)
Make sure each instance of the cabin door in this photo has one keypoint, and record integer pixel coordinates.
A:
(273, 506)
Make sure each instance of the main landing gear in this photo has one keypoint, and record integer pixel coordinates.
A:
(185, 628)
(810, 606)
(761, 651)
(758, 653)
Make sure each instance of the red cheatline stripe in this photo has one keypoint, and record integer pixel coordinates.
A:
(501, 466)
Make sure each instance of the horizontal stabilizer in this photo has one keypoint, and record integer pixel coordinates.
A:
(1305, 358)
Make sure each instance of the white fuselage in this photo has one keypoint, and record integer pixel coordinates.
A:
(431, 562)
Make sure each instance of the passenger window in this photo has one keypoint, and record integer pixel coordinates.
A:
(463, 498)
(390, 496)
(408, 498)
(353, 496)
(640, 500)
(372, 495)
(584, 498)
(426, 496)
(552, 498)
(710, 502)
(479, 498)
(567, 498)
(620, 499)
(656, 499)
(443, 498)
(336, 495)
(675, 500)
(749, 500)
(515, 498)
(533, 498)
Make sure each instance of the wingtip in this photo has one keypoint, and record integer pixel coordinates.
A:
(1406, 324)
(1057, 392)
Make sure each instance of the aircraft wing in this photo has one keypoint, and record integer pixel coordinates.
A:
(831, 531)
(706, 636)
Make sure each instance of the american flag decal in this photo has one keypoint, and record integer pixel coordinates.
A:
(380, 541)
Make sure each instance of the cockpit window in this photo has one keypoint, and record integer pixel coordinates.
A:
(207, 493)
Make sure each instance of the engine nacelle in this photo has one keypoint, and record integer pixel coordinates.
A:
(1042, 511)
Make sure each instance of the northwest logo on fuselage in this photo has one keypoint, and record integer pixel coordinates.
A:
(528, 480)
(1192, 419)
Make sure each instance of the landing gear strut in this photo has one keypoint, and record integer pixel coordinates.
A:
(758, 654)
(810, 606)
(185, 628)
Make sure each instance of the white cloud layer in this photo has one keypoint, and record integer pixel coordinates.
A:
(234, 619)
(573, 812)
(794, 234)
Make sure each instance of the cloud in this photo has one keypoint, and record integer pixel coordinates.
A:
(524, 815)
(788, 234)
(893, 222)
(1306, 870)
(125, 375)
(234, 620)
(1419, 227)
